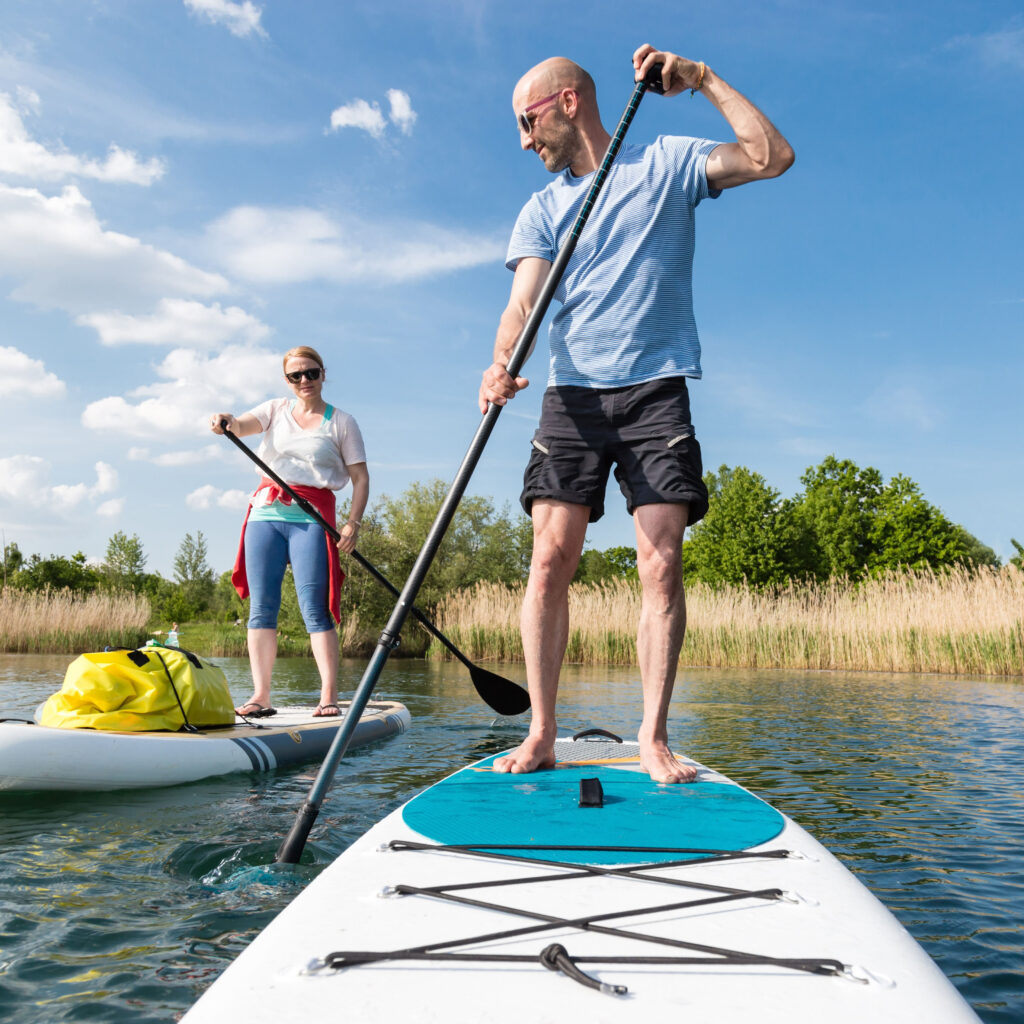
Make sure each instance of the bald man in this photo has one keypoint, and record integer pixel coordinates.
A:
(622, 346)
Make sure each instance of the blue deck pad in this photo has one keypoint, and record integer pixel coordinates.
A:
(479, 806)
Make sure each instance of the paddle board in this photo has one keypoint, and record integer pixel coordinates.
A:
(584, 892)
(36, 757)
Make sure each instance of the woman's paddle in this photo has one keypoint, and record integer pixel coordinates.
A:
(504, 696)
(290, 850)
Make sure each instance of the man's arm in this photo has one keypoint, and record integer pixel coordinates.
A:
(759, 151)
(497, 385)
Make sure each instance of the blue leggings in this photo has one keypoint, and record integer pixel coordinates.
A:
(269, 547)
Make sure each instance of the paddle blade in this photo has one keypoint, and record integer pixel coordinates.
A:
(506, 697)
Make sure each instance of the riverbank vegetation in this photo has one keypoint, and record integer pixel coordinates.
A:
(850, 572)
(950, 621)
(63, 622)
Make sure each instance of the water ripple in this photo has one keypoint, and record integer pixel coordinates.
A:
(126, 906)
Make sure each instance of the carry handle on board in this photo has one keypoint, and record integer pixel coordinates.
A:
(290, 850)
(597, 732)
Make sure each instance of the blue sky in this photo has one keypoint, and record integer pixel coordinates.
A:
(190, 187)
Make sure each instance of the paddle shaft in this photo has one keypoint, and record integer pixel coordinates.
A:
(309, 508)
(290, 850)
(499, 693)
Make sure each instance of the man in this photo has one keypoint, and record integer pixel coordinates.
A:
(622, 346)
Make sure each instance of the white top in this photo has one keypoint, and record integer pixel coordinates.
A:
(315, 457)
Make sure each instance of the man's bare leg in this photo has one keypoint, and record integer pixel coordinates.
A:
(659, 536)
(559, 529)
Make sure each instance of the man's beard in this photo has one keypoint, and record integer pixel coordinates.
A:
(560, 151)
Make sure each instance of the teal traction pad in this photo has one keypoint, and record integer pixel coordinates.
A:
(477, 806)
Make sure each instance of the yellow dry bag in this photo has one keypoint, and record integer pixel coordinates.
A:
(147, 690)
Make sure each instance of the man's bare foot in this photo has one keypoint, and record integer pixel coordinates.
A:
(533, 753)
(660, 763)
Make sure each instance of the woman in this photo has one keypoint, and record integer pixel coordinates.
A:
(316, 449)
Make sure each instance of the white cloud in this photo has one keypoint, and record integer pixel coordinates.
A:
(902, 403)
(111, 509)
(761, 404)
(61, 256)
(21, 375)
(284, 246)
(23, 157)
(359, 114)
(208, 496)
(192, 457)
(368, 117)
(28, 99)
(194, 385)
(1003, 48)
(402, 113)
(178, 322)
(30, 474)
(241, 19)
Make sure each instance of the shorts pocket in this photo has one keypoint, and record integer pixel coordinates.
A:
(685, 435)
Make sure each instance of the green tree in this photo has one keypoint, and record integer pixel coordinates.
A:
(623, 561)
(13, 559)
(908, 532)
(480, 544)
(593, 567)
(1018, 560)
(225, 604)
(837, 507)
(978, 553)
(747, 534)
(56, 573)
(124, 562)
(192, 572)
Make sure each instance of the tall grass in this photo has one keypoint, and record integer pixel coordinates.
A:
(63, 622)
(960, 621)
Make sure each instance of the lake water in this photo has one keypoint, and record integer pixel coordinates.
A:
(124, 906)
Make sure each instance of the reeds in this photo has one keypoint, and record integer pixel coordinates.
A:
(959, 621)
(63, 622)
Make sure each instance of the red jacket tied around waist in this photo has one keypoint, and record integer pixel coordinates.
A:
(323, 500)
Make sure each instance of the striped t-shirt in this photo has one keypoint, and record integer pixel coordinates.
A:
(627, 297)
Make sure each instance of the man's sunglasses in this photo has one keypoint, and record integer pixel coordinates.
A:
(296, 376)
(523, 117)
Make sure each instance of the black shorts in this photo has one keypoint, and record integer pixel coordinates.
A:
(644, 430)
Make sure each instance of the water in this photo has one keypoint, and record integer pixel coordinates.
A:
(125, 906)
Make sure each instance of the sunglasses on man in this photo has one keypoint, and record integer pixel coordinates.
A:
(523, 117)
(296, 376)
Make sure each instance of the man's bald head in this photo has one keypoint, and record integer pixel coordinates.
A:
(551, 75)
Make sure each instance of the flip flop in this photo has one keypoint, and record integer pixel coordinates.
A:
(318, 711)
(260, 712)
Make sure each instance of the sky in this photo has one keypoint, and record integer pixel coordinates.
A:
(188, 188)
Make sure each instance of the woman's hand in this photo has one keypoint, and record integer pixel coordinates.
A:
(219, 420)
(349, 532)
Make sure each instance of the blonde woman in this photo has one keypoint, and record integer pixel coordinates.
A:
(316, 449)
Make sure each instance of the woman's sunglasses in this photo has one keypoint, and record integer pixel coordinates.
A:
(296, 376)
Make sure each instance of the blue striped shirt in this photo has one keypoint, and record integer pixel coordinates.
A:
(627, 296)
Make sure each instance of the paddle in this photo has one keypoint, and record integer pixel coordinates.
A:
(290, 850)
(504, 696)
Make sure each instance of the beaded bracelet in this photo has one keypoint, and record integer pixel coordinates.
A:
(700, 81)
